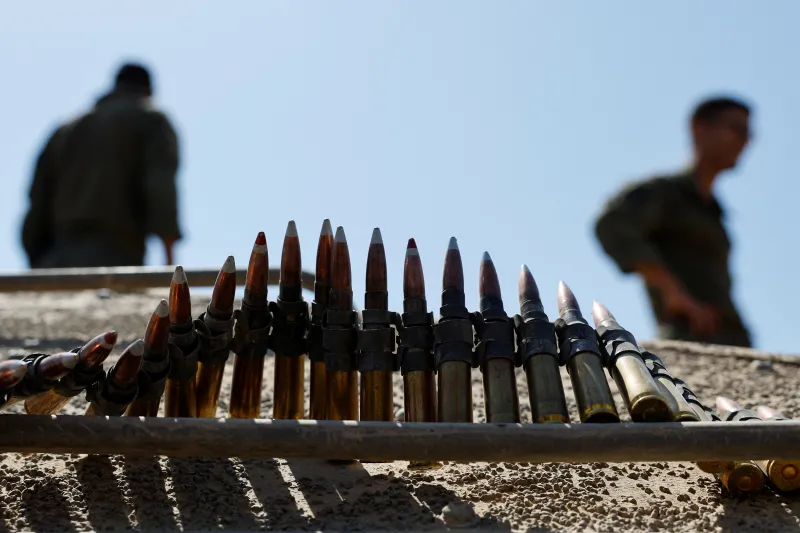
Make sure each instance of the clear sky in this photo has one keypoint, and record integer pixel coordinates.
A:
(506, 124)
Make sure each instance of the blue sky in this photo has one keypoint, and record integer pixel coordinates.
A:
(506, 124)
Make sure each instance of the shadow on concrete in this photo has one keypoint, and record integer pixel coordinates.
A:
(147, 481)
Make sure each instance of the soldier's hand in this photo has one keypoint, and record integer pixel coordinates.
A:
(703, 319)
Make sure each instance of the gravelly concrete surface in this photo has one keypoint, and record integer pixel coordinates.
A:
(83, 493)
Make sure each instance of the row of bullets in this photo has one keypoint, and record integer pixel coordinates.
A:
(182, 359)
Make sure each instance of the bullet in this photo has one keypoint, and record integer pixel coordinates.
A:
(215, 331)
(376, 339)
(339, 336)
(112, 395)
(180, 398)
(642, 396)
(495, 349)
(453, 343)
(415, 350)
(416, 343)
(784, 475)
(740, 476)
(289, 321)
(580, 353)
(318, 392)
(678, 406)
(155, 364)
(251, 336)
(42, 373)
(538, 353)
(11, 373)
(87, 371)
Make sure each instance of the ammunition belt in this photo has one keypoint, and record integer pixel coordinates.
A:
(415, 351)
(30, 384)
(153, 376)
(615, 342)
(454, 337)
(495, 337)
(100, 393)
(77, 381)
(289, 327)
(183, 366)
(376, 342)
(314, 334)
(741, 415)
(249, 342)
(339, 340)
(535, 336)
(215, 337)
(575, 338)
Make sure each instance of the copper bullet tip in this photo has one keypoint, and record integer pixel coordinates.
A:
(453, 244)
(260, 245)
(69, 360)
(58, 365)
(340, 236)
(136, 347)
(600, 314)
(109, 340)
(727, 405)
(528, 292)
(12, 372)
(179, 277)
(127, 368)
(291, 229)
(765, 412)
(489, 284)
(326, 228)
(376, 237)
(566, 299)
(411, 249)
(229, 267)
(162, 310)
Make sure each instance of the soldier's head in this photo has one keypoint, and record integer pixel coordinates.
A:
(720, 131)
(133, 78)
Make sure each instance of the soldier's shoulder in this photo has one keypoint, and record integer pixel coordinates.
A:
(661, 183)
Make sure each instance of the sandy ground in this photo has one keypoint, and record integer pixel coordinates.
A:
(83, 493)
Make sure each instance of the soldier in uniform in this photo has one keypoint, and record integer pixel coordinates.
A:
(669, 230)
(104, 182)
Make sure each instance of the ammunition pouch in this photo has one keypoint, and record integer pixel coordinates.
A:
(289, 321)
(314, 334)
(615, 342)
(340, 340)
(495, 337)
(77, 381)
(215, 337)
(183, 366)
(415, 349)
(575, 338)
(31, 385)
(249, 342)
(453, 335)
(153, 375)
(100, 395)
(376, 342)
(535, 336)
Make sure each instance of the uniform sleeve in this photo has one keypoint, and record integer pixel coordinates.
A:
(161, 162)
(627, 221)
(37, 235)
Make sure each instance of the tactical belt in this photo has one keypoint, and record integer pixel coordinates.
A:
(289, 321)
(494, 333)
(575, 338)
(249, 342)
(101, 393)
(535, 336)
(376, 342)
(453, 336)
(339, 340)
(415, 350)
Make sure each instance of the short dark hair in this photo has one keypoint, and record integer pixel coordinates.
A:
(134, 75)
(710, 108)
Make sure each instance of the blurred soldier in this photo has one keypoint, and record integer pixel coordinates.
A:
(104, 182)
(669, 230)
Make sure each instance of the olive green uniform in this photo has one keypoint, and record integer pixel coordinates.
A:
(102, 184)
(665, 220)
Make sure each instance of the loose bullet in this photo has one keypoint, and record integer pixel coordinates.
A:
(215, 331)
(155, 364)
(496, 349)
(318, 393)
(580, 353)
(618, 346)
(87, 371)
(289, 321)
(180, 398)
(538, 353)
(112, 395)
(251, 336)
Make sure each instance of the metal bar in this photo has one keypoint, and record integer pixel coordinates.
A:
(387, 441)
(120, 278)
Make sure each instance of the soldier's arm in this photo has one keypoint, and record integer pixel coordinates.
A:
(37, 228)
(161, 161)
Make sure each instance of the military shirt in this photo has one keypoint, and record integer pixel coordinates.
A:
(104, 182)
(665, 220)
